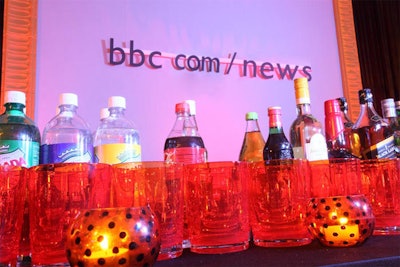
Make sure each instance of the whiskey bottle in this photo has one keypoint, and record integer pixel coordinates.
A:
(375, 136)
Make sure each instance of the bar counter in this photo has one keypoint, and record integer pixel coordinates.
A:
(375, 251)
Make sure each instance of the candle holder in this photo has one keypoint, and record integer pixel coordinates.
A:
(113, 237)
(340, 221)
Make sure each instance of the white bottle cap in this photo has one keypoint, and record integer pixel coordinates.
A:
(15, 97)
(104, 113)
(192, 106)
(68, 99)
(117, 102)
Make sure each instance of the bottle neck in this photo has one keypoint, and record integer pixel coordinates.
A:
(303, 108)
(252, 126)
(67, 112)
(116, 111)
(185, 125)
(275, 124)
(15, 109)
(368, 116)
(334, 126)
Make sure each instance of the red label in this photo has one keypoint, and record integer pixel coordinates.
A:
(186, 155)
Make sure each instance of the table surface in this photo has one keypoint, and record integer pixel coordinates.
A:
(375, 251)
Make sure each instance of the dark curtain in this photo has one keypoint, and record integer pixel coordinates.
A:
(377, 26)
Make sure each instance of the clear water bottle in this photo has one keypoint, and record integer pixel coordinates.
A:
(19, 136)
(66, 137)
(116, 139)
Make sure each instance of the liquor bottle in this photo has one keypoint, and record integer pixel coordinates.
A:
(389, 114)
(184, 143)
(67, 137)
(376, 137)
(306, 133)
(277, 145)
(348, 123)
(19, 136)
(337, 139)
(116, 139)
(397, 104)
(253, 141)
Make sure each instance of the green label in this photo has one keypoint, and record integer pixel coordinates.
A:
(19, 153)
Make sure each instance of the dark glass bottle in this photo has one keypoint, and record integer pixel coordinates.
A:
(253, 141)
(397, 105)
(374, 134)
(277, 145)
(348, 123)
(389, 114)
(337, 140)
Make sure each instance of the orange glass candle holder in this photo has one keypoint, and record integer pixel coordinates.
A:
(113, 237)
(340, 221)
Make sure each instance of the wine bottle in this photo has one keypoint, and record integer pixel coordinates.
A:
(337, 140)
(277, 145)
(375, 136)
(306, 133)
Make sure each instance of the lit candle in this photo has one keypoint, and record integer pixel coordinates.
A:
(344, 234)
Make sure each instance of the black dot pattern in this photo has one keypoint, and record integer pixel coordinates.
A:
(130, 235)
(340, 221)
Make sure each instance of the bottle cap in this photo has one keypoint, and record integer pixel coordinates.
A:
(104, 113)
(332, 106)
(15, 97)
(192, 106)
(301, 91)
(68, 99)
(274, 111)
(342, 103)
(251, 116)
(182, 107)
(117, 102)
(388, 108)
(365, 95)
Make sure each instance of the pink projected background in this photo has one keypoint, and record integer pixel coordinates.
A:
(294, 38)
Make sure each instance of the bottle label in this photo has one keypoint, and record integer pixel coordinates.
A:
(185, 155)
(316, 149)
(65, 152)
(383, 149)
(118, 153)
(19, 153)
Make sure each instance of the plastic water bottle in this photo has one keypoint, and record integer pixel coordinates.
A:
(19, 136)
(116, 139)
(67, 137)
